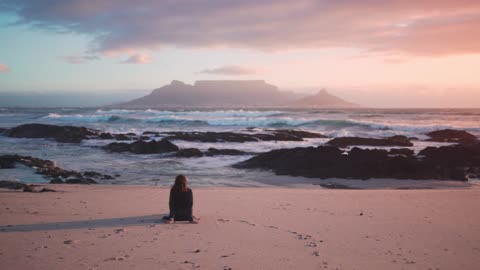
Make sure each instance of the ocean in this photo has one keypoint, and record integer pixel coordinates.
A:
(210, 171)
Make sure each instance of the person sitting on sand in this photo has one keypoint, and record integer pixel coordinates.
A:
(181, 201)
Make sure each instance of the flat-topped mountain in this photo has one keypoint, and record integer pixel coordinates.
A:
(227, 93)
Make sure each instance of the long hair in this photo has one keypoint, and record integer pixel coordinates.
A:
(180, 183)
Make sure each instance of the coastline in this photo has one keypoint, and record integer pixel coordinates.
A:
(119, 227)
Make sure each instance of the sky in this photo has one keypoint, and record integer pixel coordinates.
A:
(423, 53)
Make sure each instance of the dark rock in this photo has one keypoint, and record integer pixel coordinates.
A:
(92, 174)
(442, 163)
(460, 155)
(337, 186)
(85, 181)
(401, 151)
(7, 162)
(29, 188)
(142, 147)
(211, 137)
(11, 184)
(66, 134)
(144, 138)
(277, 136)
(117, 147)
(47, 190)
(106, 136)
(153, 147)
(57, 180)
(274, 135)
(226, 152)
(47, 168)
(189, 152)
(108, 177)
(451, 135)
(151, 133)
(131, 134)
(389, 141)
(3, 131)
(122, 137)
(299, 133)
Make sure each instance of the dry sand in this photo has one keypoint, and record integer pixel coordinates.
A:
(119, 227)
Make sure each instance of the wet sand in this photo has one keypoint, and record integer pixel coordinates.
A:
(120, 227)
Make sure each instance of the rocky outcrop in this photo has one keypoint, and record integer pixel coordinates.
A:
(210, 137)
(189, 153)
(440, 163)
(64, 134)
(122, 137)
(106, 136)
(273, 135)
(224, 152)
(299, 133)
(451, 135)
(401, 151)
(142, 147)
(461, 155)
(49, 170)
(389, 141)
(11, 184)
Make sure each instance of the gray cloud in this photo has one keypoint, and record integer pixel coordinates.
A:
(229, 70)
(421, 27)
(79, 59)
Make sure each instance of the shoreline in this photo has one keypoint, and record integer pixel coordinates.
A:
(119, 227)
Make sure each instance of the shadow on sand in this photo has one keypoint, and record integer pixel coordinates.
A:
(83, 224)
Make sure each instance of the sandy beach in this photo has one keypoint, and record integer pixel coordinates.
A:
(120, 227)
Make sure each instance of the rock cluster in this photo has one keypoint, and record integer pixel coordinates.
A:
(389, 141)
(451, 135)
(274, 135)
(143, 147)
(50, 170)
(455, 162)
(64, 134)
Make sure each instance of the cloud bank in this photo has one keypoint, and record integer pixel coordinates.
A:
(229, 70)
(420, 27)
(140, 58)
(4, 68)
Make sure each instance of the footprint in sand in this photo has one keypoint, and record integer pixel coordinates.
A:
(223, 220)
(118, 258)
(246, 222)
(227, 255)
(194, 265)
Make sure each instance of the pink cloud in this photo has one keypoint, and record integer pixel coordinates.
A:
(139, 58)
(4, 68)
(420, 27)
(229, 70)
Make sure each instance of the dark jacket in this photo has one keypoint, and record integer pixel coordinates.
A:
(181, 204)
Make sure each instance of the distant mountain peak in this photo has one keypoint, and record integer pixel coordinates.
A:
(322, 91)
(177, 83)
(230, 93)
(322, 99)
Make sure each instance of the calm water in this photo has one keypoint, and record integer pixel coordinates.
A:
(211, 171)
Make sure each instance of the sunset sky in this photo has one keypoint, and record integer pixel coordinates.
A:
(377, 53)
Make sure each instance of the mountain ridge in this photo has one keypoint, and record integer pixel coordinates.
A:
(231, 93)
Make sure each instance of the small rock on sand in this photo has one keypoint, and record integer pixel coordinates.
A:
(121, 230)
